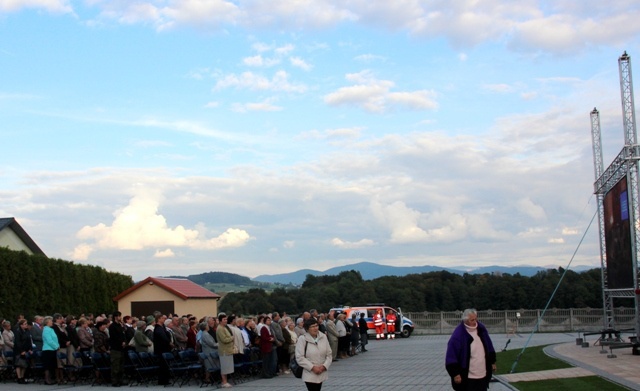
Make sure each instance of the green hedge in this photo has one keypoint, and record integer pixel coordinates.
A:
(37, 285)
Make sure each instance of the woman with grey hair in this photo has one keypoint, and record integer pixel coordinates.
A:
(8, 336)
(50, 348)
(208, 346)
(471, 358)
(299, 328)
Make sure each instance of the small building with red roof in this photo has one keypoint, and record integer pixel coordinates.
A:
(169, 296)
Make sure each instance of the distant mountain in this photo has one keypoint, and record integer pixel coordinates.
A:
(370, 271)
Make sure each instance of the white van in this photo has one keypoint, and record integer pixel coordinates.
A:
(404, 325)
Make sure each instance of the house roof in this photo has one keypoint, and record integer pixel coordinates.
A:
(11, 223)
(181, 287)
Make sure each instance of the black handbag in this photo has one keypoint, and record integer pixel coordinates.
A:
(294, 366)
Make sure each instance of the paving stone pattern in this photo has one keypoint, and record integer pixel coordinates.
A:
(415, 363)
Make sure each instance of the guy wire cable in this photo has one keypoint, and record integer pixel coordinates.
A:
(515, 363)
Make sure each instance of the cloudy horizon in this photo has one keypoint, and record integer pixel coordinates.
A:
(166, 137)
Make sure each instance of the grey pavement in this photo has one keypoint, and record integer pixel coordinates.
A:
(415, 363)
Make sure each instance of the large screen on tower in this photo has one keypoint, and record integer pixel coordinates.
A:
(617, 230)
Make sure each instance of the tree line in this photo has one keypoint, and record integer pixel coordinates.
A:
(434, 291)
(36, 285)
(219, 278)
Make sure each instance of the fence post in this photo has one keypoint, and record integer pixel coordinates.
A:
(539, 321)
(506, 329)
(441, 322)
(571, 319)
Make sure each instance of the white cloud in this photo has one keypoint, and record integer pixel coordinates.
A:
(82, 251)
(570, 231)
(253, 81)
(337, 133)
(375, 95)
(564, 33)
(259, 61)
(556, 241)
(55, 6)
(500, 88)
(302, 14)
(337, 242)
(401, 221)
(530, 26)
(183, 126)
(266, 105)
(369, 57)
(300, 63)
(528, 207)
(284, 50)
(205, 14)
(139, 226)
(168, 253)
(289, 244)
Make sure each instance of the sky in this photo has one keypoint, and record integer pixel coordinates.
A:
(168, 137)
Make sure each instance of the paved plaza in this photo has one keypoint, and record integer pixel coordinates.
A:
(415, 363)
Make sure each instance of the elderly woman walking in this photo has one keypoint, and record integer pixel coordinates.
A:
(313, 353)
(471, 358)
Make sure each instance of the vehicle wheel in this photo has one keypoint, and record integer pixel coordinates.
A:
(406, 332)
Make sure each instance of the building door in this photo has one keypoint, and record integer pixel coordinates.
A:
(142, 309)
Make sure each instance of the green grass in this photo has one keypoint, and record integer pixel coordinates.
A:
(587, 383)
(533, 359)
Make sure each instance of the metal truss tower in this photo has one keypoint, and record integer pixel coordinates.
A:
(631, 138)
(598, 169)
(626, 164)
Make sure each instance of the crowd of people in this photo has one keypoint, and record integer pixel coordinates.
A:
(271, 338)
(314, 339)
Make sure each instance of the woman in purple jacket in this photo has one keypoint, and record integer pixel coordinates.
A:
(471, 358)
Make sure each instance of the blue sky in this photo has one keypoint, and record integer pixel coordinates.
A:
(258, 137)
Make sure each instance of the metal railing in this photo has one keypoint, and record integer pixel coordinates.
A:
(524, 321)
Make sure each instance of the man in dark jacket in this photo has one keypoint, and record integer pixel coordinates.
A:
(162, 344)
(362, 326)
(471, 358)
(21, 349)
(36, 331)
(117, 344)
(60, 328)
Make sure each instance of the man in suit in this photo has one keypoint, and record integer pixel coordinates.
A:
(162, 344)
(36, 331)
(117, 344)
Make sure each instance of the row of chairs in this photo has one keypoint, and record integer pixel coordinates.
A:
(78, 368)
(140, 368)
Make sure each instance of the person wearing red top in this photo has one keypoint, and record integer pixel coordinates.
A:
(378, 322)
(266, 342)
(391, 325)
(192, 332)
